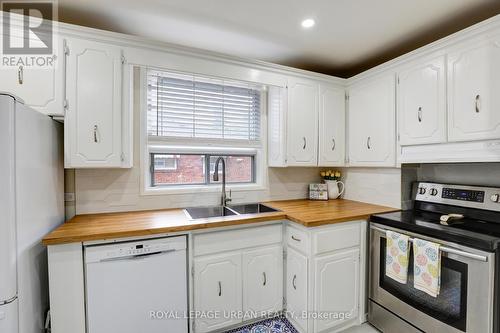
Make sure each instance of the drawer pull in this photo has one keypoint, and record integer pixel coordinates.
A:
(369, 142)
(220, 289)
(296, 239)
(265, 278)
(419, 114)
(478, 103)
(334, 144)
(305, 142)
(293, 282)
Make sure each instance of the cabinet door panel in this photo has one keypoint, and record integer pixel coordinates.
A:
(263, 280)
(331, 126)
(297, 287)
(41, 88)
(422, 103)
(302, 134)
(93, 120)
(473, 86)
(217, 289)
(336, 289)
(372, 123)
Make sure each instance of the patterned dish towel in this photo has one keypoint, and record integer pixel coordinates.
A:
(396, 256)
(427, 267)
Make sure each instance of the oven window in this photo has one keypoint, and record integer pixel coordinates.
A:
(449, 307)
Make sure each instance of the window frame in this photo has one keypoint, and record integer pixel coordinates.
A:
(209, 147)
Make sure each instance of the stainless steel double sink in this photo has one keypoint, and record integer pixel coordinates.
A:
(194, 213)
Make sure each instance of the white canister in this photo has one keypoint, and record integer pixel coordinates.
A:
(333, 188)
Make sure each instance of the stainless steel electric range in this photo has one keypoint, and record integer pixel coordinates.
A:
(465, 220)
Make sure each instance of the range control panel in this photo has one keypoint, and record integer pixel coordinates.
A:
(459, 195)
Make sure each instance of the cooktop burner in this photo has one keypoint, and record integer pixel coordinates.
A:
(479, 228)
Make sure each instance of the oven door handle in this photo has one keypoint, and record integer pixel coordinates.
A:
(446, 249)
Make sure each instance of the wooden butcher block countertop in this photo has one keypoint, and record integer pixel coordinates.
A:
(142, 223)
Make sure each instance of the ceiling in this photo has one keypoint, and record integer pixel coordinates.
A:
(349, 36)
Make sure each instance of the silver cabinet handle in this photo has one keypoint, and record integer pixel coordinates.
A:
(296, 239)
(334, 144)
(220, 289)
(265, 278)
(95, 133)
(419, 114)
(20, 75)
(305, 142)
(369, 142)
(478, 103)
(293, 282)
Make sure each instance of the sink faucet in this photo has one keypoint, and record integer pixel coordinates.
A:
(224, 199)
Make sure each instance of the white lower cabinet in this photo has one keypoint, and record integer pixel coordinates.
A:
(336, 288)
(237, 276)
(217, 290)
(325, 278)
(296, 288)
(263, 280)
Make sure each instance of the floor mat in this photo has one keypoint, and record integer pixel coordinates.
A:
(273, 325)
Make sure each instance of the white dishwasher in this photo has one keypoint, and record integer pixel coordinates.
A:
(138, 286)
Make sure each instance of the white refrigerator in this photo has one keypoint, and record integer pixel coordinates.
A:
(31, 204)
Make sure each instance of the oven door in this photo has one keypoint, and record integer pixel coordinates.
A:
(465, 301)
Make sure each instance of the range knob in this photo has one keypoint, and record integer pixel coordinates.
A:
(495, 197)
(434, 192)
(421, 190)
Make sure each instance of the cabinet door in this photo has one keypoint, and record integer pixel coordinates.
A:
(422, 103)
(473, 86)
(217, 290)
(331, 126)
(263, 280)
(302, 134)
(94, 90)
(296, 288)
(372, 123)
(336, 289)
(40, 87)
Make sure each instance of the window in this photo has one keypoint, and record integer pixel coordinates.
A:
(191, 170)
(191, 121)
(165, 162)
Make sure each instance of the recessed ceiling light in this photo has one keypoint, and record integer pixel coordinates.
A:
(308, 23)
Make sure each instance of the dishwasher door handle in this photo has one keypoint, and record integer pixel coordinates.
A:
(138, 256)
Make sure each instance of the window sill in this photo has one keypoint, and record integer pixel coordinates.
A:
(201, 189)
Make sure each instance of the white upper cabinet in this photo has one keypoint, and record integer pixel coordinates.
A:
(41, 88)
(473, 90)
(372, 122)
(331, 126)
(302, 133)
(93, 122)
(422, 103)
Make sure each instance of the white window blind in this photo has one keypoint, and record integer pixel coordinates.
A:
(186, 106)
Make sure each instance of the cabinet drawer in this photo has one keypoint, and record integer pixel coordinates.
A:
(220, 241)
(340, 237)
(297, 239)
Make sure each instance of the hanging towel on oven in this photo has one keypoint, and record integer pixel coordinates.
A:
(426, 267)
(396, 256)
